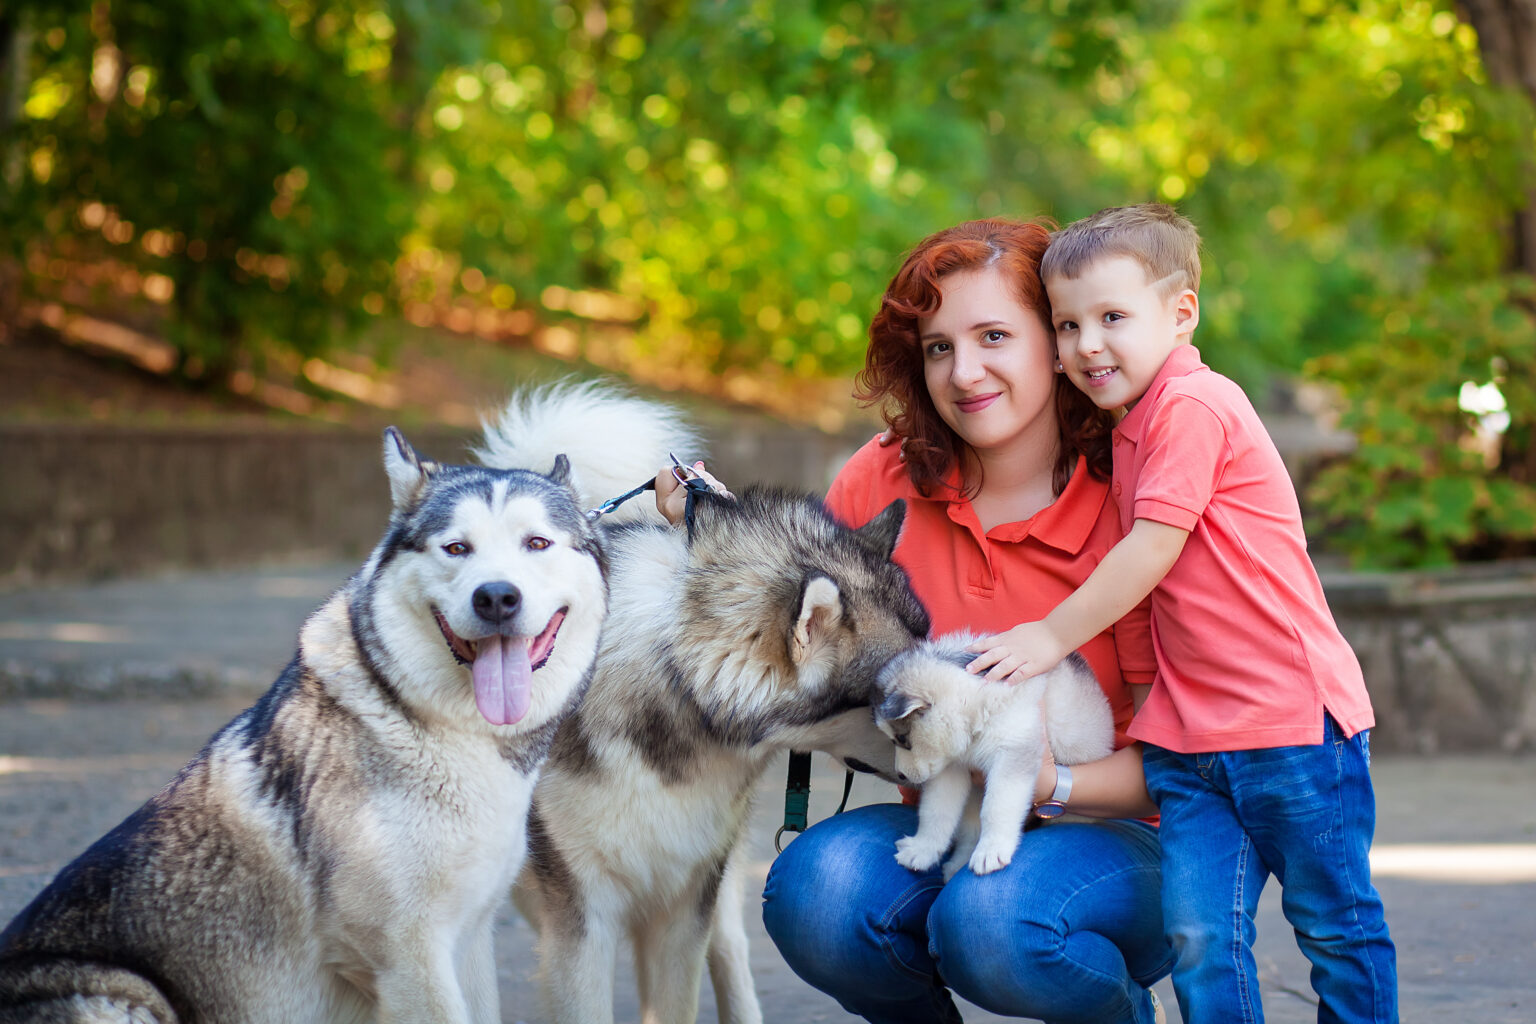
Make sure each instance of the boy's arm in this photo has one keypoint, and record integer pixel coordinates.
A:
(1131, 570)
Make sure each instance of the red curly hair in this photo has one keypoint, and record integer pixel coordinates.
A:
(893, 363)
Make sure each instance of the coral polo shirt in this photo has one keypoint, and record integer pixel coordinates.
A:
(1248, 654)
(989, 581)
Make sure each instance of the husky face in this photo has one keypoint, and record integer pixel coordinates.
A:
(921, 711)
(497, 568)
(789, 615)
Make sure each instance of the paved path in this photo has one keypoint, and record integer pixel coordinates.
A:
(106, 690)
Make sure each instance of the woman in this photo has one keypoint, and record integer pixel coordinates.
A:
(1005, 469)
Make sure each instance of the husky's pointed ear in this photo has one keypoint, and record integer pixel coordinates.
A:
(881, 533)
(821, 608)
(561, 473)
(407, 470)
(900, 706)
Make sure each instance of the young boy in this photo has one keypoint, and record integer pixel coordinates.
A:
(1256, 729)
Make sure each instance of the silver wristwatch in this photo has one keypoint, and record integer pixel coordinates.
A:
(1058, 802)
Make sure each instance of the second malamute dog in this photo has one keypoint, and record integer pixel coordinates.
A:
(946, 722)
(759, 627)
(338, 850)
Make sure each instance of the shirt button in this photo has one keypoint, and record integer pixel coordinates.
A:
(1117, 490)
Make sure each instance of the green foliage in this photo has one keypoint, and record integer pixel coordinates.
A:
(1421, 489)
(726, 187)
(243, 157)
(745, 173)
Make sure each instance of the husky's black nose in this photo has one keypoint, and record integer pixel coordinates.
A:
(496, 602)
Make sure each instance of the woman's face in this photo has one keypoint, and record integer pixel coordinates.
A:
(990, 364)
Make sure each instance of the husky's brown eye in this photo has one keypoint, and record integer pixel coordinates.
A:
(538, 543)
(457, 548)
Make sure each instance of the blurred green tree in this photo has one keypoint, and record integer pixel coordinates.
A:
(743, 174)
(719, 191)
(247, 163)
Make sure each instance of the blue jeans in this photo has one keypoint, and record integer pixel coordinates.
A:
(1070, 931)
(1303, 814)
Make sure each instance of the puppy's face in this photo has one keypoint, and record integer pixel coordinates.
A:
(919, 714)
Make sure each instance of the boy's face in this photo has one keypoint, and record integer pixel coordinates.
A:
(1114, 329)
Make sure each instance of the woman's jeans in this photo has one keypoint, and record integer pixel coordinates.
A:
(1070, 931)
(1304, 814)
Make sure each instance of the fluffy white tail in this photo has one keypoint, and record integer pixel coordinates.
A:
(613, 439)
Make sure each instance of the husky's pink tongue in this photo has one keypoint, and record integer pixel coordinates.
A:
(502, 676)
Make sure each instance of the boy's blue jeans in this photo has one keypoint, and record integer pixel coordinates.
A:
(1304, 814)
(1070, 931)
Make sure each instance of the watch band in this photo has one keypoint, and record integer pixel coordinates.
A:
(1054, 807)
(1063, 788)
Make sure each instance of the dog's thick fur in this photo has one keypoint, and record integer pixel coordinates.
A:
(946, 722)
(759, 627)
(337, 852)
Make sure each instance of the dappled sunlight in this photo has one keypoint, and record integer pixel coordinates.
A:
(81, 767)
(65, 632)
(1460, 863)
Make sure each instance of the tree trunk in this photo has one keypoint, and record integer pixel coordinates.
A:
(1506, 37)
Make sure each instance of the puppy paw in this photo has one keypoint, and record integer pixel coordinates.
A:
(953, 864)
(916, 854)
(988, 857)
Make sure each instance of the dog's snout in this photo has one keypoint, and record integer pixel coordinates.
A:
(496, 602)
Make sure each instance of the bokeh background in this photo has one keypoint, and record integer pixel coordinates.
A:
(343, 209)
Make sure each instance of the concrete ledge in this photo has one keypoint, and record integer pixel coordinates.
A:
(87, 501)
(1449, 654)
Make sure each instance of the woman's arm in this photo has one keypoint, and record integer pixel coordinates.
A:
(672, 496)
(1112, 787)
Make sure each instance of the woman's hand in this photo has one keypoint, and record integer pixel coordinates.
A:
(889, 437)
(672, 496)
(1026, 650)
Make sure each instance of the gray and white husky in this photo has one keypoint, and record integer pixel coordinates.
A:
(759, 627)
(337, 852)
(946, 722)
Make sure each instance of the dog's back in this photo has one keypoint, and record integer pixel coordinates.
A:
(1079, 722)
(728, 641)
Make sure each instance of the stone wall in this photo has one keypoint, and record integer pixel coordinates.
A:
(1449, 656)
(94, 502)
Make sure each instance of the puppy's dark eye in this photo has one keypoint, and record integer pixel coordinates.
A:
(903, 740)
(457, 549)
(537, 543)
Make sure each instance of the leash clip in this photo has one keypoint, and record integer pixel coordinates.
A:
(681, 473)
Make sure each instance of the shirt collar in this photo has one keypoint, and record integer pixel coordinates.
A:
(1181, 362)
(1064, 524)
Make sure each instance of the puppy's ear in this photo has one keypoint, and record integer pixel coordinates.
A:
(900, 707)
(407, 470)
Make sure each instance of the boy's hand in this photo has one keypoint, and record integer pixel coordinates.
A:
(1025, 650)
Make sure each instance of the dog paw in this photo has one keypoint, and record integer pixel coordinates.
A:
(986, 859)
(916, 855)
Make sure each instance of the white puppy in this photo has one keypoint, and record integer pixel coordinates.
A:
(946, 722)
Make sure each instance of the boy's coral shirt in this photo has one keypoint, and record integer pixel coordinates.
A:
(1248, 654)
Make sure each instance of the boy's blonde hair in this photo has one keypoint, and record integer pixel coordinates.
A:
(1153, 234)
